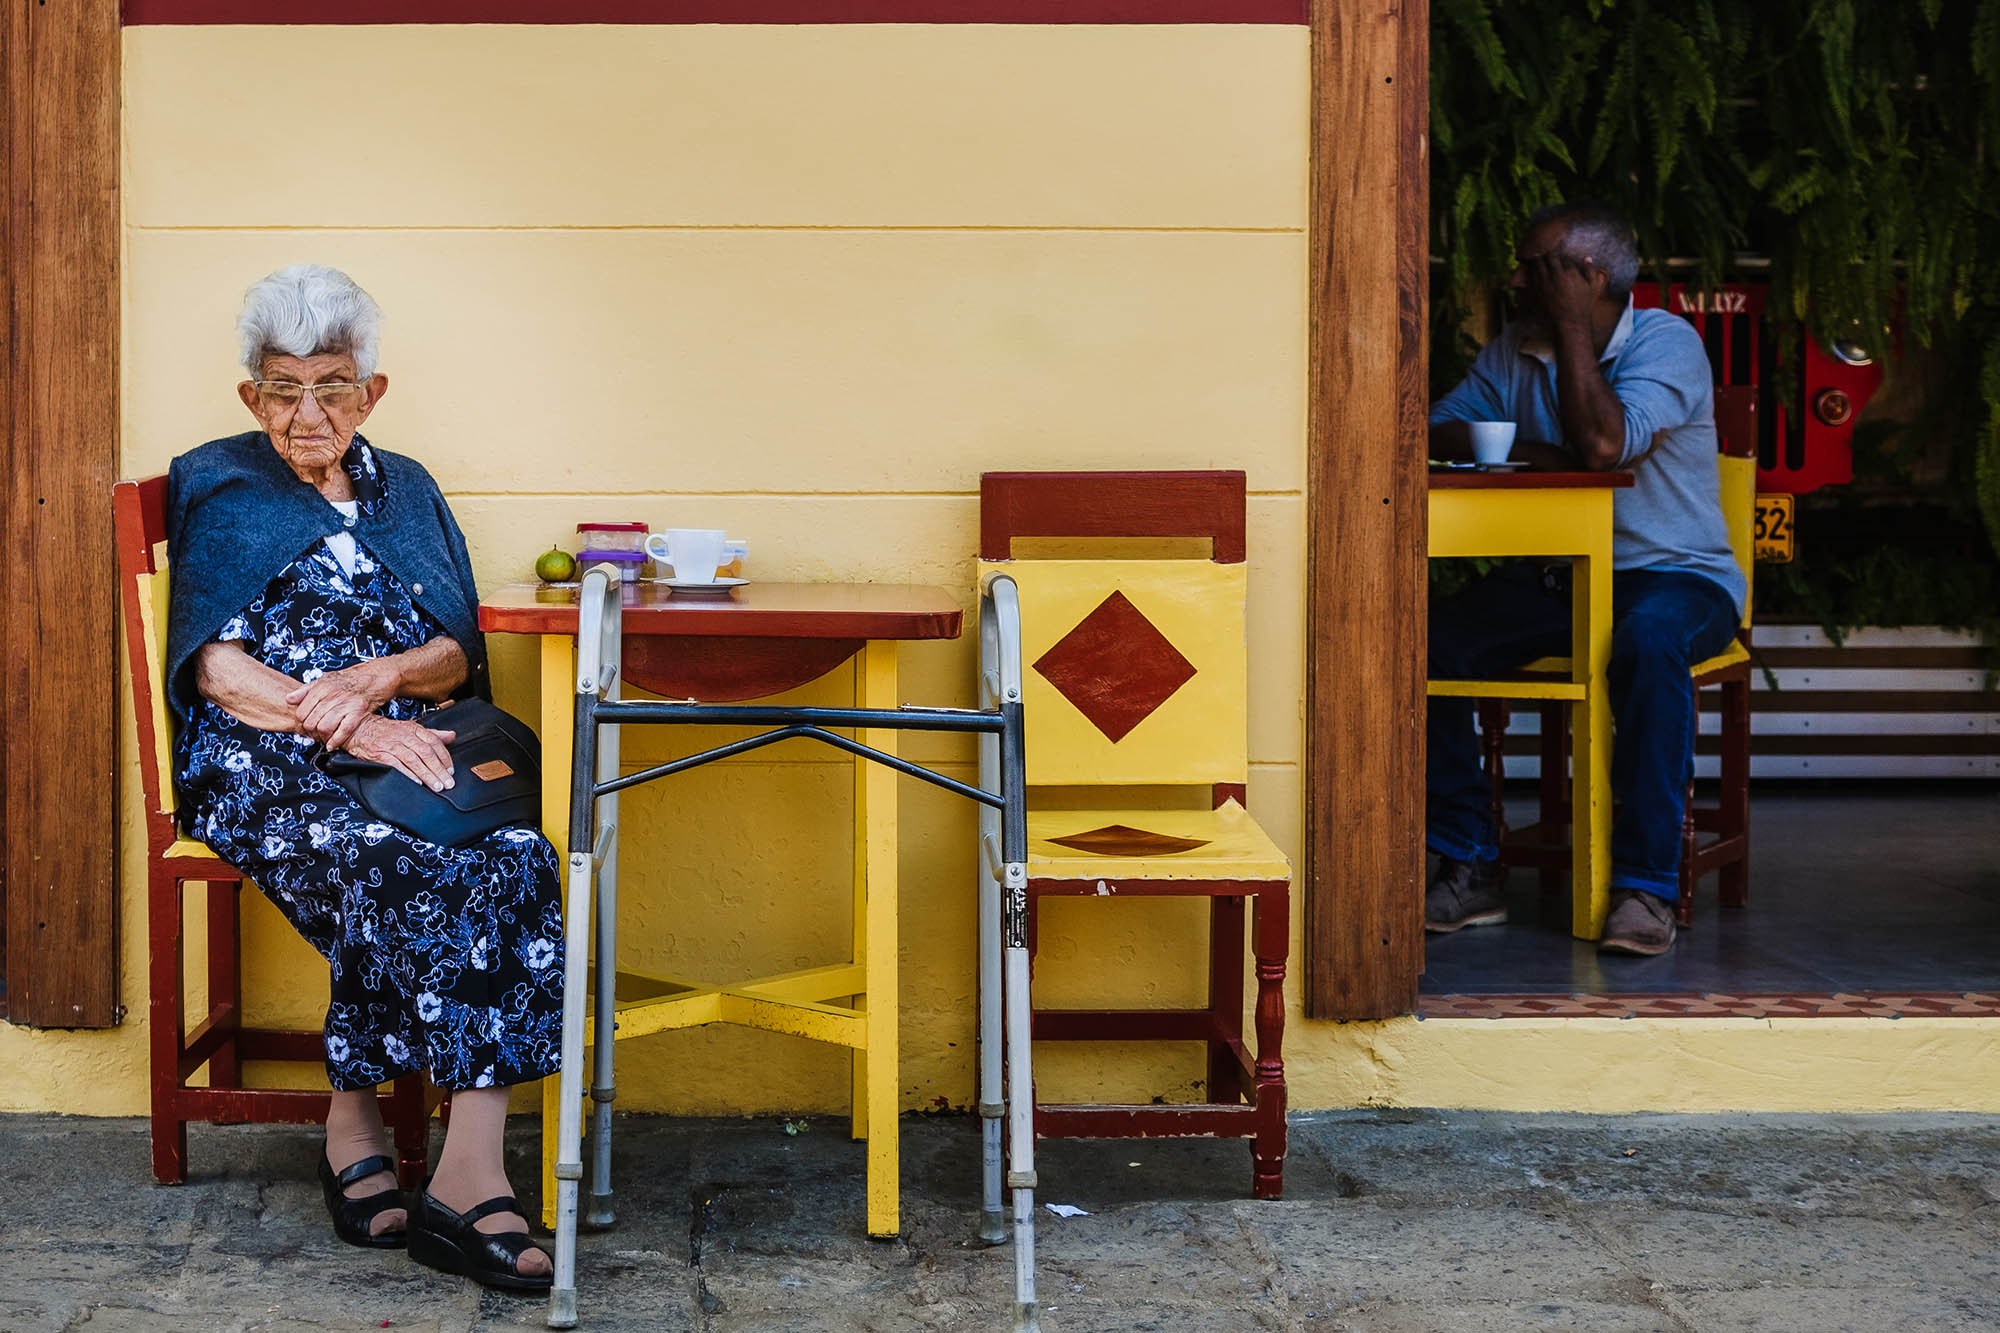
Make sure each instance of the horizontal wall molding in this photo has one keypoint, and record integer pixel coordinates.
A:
(788, 12)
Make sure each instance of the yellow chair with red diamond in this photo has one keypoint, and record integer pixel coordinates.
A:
(1135, 677)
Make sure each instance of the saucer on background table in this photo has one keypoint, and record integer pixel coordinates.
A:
(689, 588)
(1509, 465)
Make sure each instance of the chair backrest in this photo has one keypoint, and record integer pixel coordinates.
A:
(1136, 670)
(139, 511)
(1111, 504)
(1736, 436)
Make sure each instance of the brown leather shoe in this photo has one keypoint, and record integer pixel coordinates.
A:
(1641, 923)
(1464, 893)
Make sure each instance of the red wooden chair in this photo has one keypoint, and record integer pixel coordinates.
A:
(1134, 675)
(1713, 837)
(221, 1041)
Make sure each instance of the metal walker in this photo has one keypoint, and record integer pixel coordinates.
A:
(1005, 1076)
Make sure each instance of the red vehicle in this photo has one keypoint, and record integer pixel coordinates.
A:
(1803, 443)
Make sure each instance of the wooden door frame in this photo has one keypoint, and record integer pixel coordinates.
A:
(1366, 503)
(60, 76)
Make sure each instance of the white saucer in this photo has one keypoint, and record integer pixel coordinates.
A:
(718, 588)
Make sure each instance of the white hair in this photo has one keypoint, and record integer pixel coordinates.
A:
(1599, 235)
(307, 310)
(1611, 247)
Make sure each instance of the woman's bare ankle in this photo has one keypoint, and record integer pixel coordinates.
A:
(354, 1132)
(471, 1170)
(354, 1129)
(463, 1190)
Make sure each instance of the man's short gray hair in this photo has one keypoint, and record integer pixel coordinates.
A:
(1600, 234)
(307, 310)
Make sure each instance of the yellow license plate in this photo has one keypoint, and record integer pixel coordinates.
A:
(1773, 532)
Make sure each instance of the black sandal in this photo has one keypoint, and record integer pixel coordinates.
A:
(450, 1243)
(353, 1217)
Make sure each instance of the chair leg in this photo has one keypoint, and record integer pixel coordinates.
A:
(410, 1120)
(1225, 996)
(1684, 903)
(1271, 927)
(225, 970)
(1734, 885)
(165, 1022)
(1555, 785)
(1493, 718)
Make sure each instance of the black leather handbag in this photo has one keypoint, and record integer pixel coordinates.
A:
(496, 778)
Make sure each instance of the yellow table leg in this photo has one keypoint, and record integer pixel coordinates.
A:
(857, 1083)
(558, 725)
(1590, 787)
(875, 928)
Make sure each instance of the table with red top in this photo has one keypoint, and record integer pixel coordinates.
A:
(756, 641)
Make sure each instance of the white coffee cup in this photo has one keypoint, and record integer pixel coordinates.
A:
(695, 553)
(1492, 441)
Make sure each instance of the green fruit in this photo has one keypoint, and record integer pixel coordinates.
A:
(556, 566)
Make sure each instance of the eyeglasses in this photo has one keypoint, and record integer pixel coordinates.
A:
(285, 396)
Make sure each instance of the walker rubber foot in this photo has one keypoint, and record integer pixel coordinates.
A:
(993, 1228)
(562, 1308)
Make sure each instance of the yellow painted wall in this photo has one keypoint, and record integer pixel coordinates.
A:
(802, 282)
(806, 283)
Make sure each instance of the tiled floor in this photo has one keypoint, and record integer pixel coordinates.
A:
(1717, 1004)
(1881, 898)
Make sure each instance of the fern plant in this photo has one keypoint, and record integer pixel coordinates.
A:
(1850, 141)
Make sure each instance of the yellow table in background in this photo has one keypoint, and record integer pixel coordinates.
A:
(1552, 514)
(758, 641)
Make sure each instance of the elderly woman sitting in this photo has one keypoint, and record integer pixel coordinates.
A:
(322, 597)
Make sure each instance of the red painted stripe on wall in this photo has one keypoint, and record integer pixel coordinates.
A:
(286, 12)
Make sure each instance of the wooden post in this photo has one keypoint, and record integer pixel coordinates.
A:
(1366, 498)
(59, 96)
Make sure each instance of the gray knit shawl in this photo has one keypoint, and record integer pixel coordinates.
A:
(237, 516)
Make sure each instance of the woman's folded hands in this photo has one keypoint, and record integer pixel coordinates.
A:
(339, 709)
(333, 706)
(412, 749)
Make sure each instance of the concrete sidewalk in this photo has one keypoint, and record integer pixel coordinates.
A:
(1392, 1221)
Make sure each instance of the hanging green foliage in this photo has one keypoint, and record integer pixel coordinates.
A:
(1852, 143)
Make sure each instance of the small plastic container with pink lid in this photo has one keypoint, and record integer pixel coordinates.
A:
(623, 544)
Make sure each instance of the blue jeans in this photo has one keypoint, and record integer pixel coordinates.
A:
(1663, 623)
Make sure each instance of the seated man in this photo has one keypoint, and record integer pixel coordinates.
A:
(1591, 383)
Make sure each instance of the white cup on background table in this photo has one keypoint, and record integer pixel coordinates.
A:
(695, 553)
(1492, 441)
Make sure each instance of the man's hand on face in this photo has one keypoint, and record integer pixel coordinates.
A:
(1565, 288)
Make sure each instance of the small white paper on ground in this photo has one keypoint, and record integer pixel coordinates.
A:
(1065, 1210)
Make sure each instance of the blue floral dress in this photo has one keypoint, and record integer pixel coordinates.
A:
(443, 958)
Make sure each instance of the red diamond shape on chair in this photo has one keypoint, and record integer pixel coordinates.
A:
(1115, 666)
